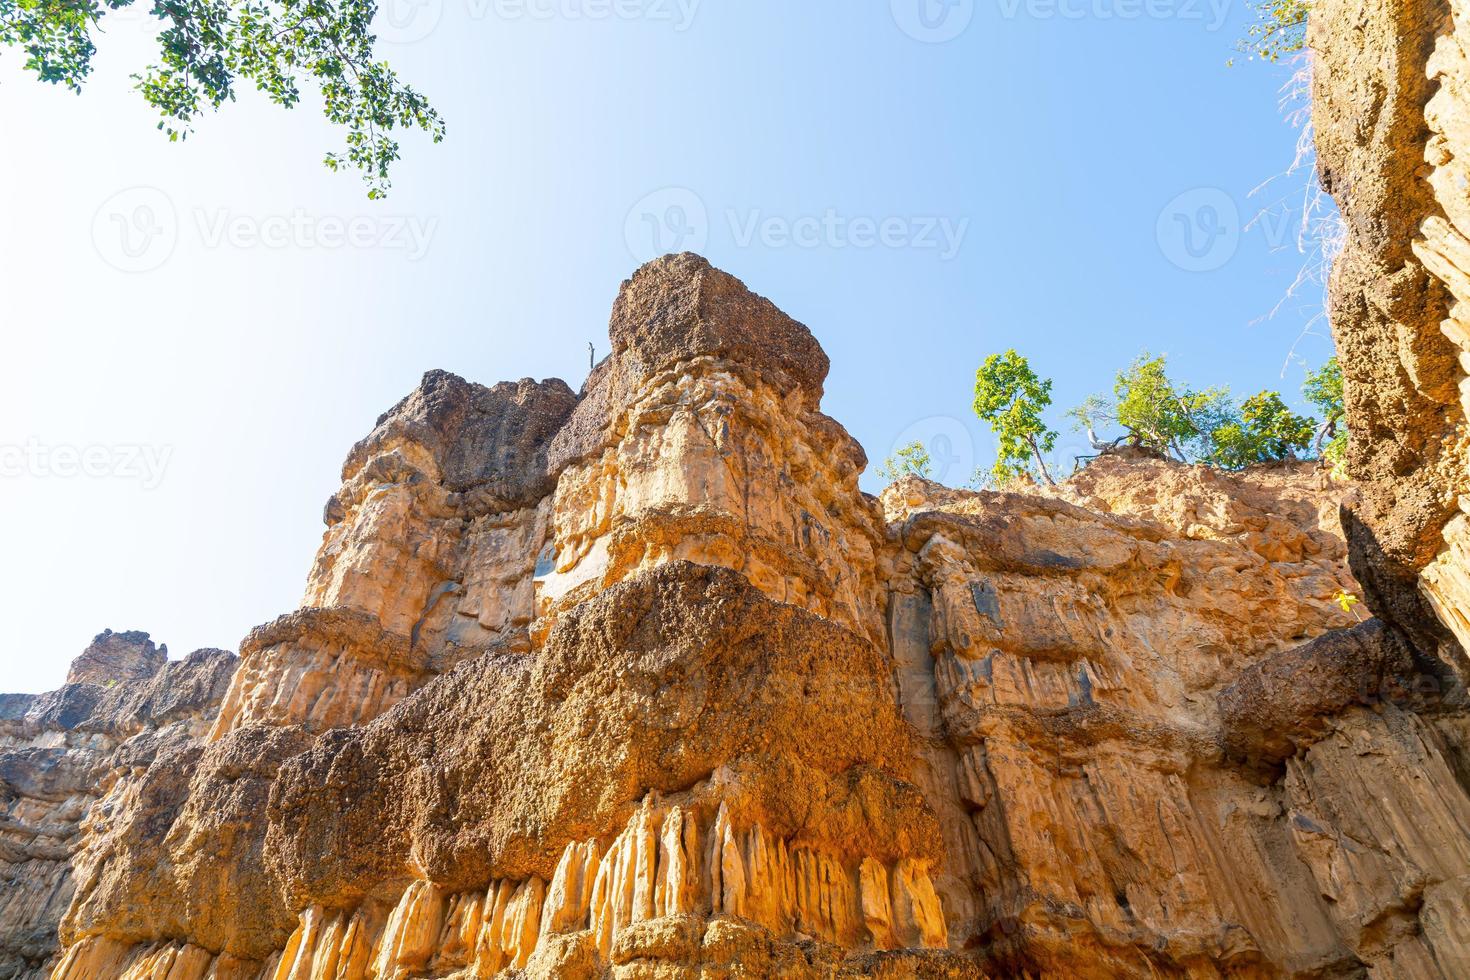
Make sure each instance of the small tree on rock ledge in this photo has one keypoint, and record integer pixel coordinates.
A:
(1010, 396)
(911, 460)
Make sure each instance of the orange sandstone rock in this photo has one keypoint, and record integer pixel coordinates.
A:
(637, 683)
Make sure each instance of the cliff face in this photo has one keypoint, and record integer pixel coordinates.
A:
(637, 683)
(1391, 95)
(1390, 103)
(69, 758)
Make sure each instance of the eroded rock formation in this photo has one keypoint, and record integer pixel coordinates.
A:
(636, 683)
(71, 758)
(1391, 94)
(1390, 105)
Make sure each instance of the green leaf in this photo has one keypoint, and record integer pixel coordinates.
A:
(207, 48)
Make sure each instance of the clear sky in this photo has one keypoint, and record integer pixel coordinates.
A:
(195, 334)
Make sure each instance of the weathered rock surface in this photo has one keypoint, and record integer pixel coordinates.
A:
(1393, 137)
(63, 752)
(637, 683)
(1374, 755)
(1064, 662)
(700, 439)
(426, 561)
(113, 658)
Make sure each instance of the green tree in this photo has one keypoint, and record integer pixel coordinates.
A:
(1323, 388)
(911, 460)
(1010, 396)
(1157, 413)
(208, 48)
(1280, 29)
(1265, 430)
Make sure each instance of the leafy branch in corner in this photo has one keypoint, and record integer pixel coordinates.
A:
(208, 47)
(1280, 29)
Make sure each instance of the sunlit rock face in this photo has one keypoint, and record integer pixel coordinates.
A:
(69, 759)
(427, 560)
(636, 683)
(1390, 104)
(1377, 785)
(700, 439)
(1064, 655)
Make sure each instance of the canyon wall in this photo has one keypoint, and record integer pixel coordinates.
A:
(71, 758)
(1391, 93)
(636, 682)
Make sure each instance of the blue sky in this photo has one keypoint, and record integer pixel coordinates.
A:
(917, 202)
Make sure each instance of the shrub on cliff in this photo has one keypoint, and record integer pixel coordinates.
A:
(1208, 426)
(1265, 430)
(1158, 414)
(1010, 396)
(1323, 388)
(911, 460)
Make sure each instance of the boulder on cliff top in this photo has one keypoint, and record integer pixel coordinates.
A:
(492, 440)
(114, 658)
(680, 306)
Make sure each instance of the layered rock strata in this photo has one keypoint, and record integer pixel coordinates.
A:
(68, 760)
(636, 683)
(427, 560)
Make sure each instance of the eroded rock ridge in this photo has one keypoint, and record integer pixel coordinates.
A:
(636, 683)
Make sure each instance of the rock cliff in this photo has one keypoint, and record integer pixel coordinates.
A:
(636, 683)
(69, 759)
(1390, 104)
